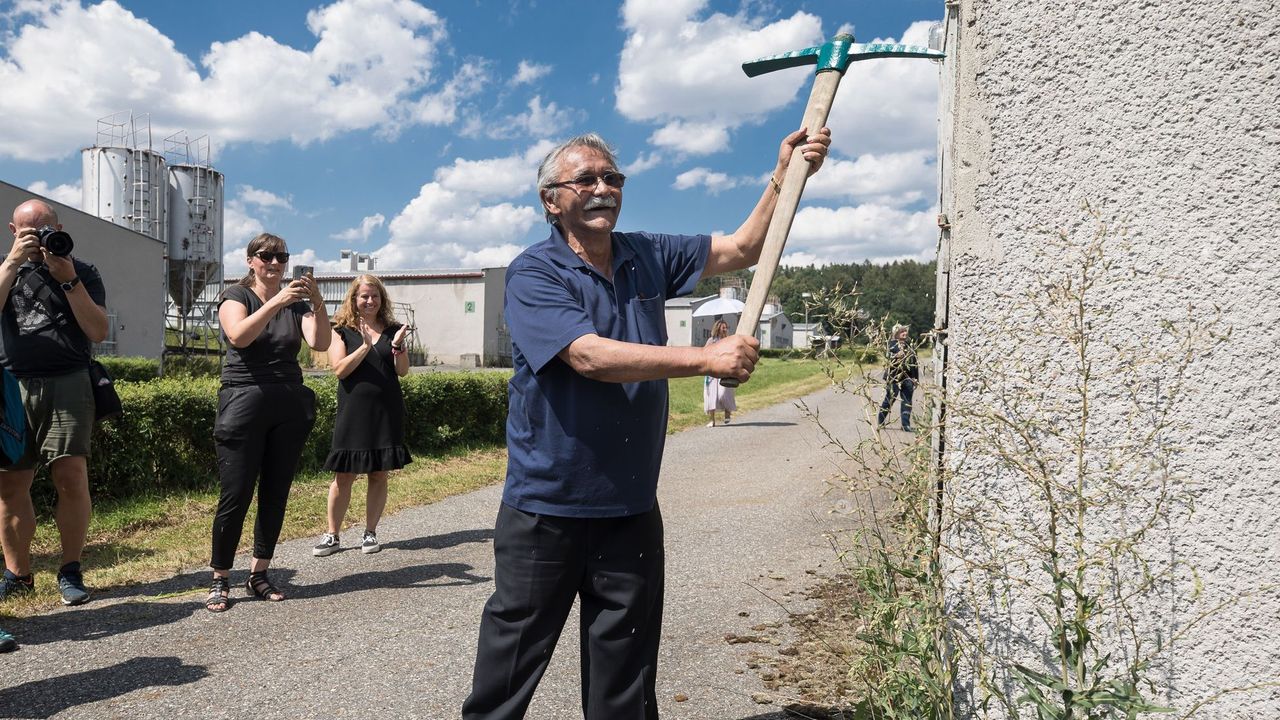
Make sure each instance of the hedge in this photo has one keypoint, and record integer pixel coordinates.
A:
(164, 440)
(141, 369)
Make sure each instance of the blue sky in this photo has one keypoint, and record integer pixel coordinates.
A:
(412, 130)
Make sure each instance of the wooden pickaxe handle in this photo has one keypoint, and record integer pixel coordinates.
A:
(775, 240)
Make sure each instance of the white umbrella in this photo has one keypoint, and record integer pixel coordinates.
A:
(719, 306)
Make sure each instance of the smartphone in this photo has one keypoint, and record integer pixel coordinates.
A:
(300, 270)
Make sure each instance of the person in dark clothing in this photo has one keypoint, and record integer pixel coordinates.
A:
(368, 434)
(52, 308)
(901, 373)
(264, 411)
(586, 427)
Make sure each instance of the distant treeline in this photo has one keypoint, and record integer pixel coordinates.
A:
(897, 292)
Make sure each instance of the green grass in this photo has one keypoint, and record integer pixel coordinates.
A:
(774, 380)
(155, 538)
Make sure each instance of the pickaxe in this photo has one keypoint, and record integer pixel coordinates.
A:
(832, 59)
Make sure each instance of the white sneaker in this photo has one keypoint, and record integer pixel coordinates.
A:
(369, 544)
(328, 545)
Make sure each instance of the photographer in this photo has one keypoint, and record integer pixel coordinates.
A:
(51, 310)
(901, 373)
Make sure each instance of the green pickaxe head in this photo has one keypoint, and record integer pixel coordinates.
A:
(836, 55)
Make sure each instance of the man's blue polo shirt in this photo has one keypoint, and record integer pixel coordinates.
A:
(578, 447)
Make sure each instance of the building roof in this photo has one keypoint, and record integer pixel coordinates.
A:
(687, 301)
(397, 275)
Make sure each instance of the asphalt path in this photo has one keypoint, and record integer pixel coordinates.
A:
(392, 635)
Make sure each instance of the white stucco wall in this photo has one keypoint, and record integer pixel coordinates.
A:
(1165, 118)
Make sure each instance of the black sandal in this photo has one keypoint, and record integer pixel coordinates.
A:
(259, 585)
(219, 598)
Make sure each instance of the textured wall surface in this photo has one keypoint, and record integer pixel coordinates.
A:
(1164, 118)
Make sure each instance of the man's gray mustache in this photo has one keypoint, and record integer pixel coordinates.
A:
(600, 202)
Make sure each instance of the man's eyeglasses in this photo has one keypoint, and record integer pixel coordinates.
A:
(266, 255)
(588, 182)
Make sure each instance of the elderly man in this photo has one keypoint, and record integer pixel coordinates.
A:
(586, 429)
(51, 309)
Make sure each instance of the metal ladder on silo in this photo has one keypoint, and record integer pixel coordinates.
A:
(141, 219)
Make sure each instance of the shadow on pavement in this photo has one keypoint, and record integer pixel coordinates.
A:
(424, 576)
(757, 423)
(98, 622)
(48, 697)
(440, 542)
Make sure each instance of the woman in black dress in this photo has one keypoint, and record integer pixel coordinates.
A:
(368, 435)
(265, 413)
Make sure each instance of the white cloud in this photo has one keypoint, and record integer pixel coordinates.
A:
(864, 232)
(238, 226)
(692, 138)
(264, 199)
(888, 105)
(539, 121)
(308, 256)
(714, 182)
(498, 256)
(492, 178)
(233, 261)
(466, 216)
(67, 194)
(894, 179)
(680, 67)
(529, 72)
(642, 163)
(361, 233)
(803, 259)
(373, 66)
(676, 68)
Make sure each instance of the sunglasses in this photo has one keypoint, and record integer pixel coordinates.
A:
(266, 256)
(588, 182)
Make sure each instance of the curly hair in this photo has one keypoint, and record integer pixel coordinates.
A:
(347, 313)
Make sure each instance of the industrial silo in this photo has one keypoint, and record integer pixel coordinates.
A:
(195, 231)
(123, 181)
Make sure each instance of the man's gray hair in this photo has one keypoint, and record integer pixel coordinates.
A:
(549, 170)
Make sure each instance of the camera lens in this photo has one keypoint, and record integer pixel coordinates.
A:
(56, 241)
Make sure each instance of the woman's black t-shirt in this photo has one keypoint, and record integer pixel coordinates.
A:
(273, 356)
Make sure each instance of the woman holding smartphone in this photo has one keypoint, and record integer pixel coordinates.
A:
(264, 411)
(368, 434)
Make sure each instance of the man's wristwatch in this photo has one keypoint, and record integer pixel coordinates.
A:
(71, 284)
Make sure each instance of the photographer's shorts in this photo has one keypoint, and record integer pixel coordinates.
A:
(59, 418)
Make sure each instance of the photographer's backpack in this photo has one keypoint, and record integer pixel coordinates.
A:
(13, 419)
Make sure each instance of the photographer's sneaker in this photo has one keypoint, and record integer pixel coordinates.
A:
(328, 545)
(7, 643)
(71, 584)
(369, 544)
(14, 585)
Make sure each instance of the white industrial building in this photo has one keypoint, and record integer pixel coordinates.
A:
(457, 313)
(688, 323)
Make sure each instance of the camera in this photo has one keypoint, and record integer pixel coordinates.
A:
(300, 270)
(55, 241)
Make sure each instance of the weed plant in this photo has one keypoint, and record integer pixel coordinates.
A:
(1039, 589)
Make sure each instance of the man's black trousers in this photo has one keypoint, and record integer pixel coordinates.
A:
(615, 567)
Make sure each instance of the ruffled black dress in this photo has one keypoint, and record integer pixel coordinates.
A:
(368, 434)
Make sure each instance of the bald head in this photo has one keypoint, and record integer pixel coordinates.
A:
(33, 214)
